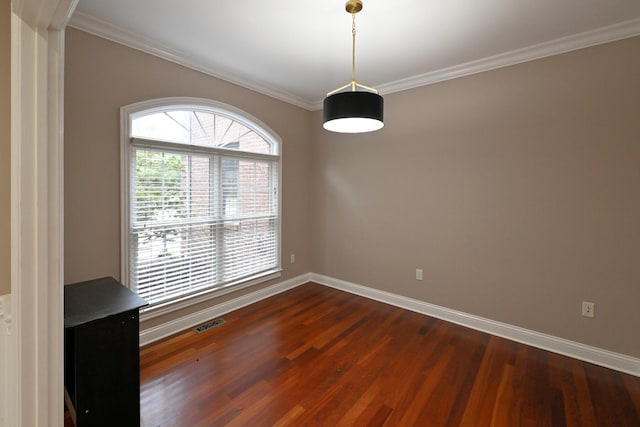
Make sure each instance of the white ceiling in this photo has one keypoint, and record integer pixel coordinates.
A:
(297, 51)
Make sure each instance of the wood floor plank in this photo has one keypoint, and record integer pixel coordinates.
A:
(316, 356)
(486, 388)
(501, 410)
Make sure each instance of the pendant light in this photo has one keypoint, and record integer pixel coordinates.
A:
(353, 110)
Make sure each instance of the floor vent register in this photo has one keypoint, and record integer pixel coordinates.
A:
(211, 324)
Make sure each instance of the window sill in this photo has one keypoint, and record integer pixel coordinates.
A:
(188, 301)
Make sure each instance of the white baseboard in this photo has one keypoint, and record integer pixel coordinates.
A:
(598, 356)
(164, 330)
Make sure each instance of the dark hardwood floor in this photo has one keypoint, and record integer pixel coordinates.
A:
(315, 356)
(319, 356)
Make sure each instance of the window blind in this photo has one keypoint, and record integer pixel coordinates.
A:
(200, 218)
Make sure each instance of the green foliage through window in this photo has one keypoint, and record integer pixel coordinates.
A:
(159, 185)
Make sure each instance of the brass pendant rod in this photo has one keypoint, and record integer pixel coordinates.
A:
(353, 52)
(353, 7)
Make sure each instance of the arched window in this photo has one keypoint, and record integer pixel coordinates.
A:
(201, 204)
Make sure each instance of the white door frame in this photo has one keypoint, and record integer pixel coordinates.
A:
(36, 354)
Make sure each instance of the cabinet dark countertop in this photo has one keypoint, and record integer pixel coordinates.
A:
(101, 353)
(96, 299)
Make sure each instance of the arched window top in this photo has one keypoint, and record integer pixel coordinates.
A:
(200, 122)
(200, 187)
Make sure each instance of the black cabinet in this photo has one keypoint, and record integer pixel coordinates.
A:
(101, 353)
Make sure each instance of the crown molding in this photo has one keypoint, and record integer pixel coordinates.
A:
(105, 30)
(583, 40)
(566, 44)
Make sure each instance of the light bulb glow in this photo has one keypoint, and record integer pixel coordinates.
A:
(353, 125)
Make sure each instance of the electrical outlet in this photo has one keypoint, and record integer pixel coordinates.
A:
(588, 309)
(292, 258)
(418, 274)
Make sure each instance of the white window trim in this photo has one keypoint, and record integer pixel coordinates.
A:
(161, 104)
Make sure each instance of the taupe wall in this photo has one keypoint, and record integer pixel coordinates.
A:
(101, 77)
(5, 147)
(517, 191)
